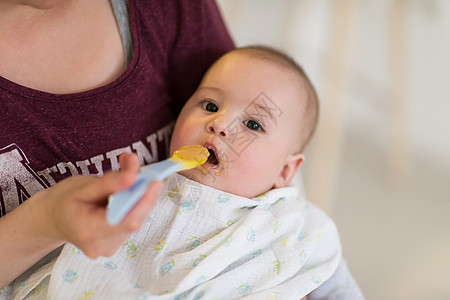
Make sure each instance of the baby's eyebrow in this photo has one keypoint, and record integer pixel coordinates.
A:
(266, 109)
(258, 111)
(210, 88)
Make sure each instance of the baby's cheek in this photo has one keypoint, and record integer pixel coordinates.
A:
(182, 137)
(251, 170)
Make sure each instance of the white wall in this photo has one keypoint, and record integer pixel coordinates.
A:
(380, 163)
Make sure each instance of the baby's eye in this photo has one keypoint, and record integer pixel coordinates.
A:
(210, 106)
(253, 125)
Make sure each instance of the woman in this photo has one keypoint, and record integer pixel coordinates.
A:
(72, 103)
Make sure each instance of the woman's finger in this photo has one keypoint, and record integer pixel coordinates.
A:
(105, 185)
(129, 162)
(139, 212)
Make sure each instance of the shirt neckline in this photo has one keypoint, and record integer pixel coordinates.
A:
(38, 95)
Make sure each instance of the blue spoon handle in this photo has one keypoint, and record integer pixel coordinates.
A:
(122, 202)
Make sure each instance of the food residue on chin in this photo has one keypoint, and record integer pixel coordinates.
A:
(205, 170)
(220, 171)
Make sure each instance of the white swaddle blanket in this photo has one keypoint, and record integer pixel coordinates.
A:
(200, 242)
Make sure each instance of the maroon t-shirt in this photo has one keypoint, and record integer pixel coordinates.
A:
(46, 137)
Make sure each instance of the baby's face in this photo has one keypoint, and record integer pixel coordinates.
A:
(247, 112)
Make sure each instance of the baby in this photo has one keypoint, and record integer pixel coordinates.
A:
(255, 110)
(233, 227)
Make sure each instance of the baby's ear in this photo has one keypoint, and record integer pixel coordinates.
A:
(293, 162)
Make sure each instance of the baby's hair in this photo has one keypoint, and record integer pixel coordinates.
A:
(311, 114)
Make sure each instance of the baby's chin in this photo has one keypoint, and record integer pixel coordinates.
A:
(209, 178)
(219, 182)
(201, 177)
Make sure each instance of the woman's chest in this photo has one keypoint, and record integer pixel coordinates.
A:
(72, 51)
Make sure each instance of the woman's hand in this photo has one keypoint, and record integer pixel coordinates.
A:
(77, 209)
(72, 210)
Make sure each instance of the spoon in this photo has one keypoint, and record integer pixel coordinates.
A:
(186, 157)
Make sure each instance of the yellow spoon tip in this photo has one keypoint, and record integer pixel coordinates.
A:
(190, 156)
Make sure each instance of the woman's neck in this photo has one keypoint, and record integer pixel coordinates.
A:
(22, 16)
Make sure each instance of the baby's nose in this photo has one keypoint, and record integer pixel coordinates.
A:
(215, 130)
(218, 125)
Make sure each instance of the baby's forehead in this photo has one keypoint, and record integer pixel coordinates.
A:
(293, 79)
(277, 62)
(274, 58)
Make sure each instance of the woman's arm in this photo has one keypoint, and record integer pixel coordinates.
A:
(73, 210)
(23, 241)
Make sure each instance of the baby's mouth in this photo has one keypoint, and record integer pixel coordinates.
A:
(212, 158)
(213, 162)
